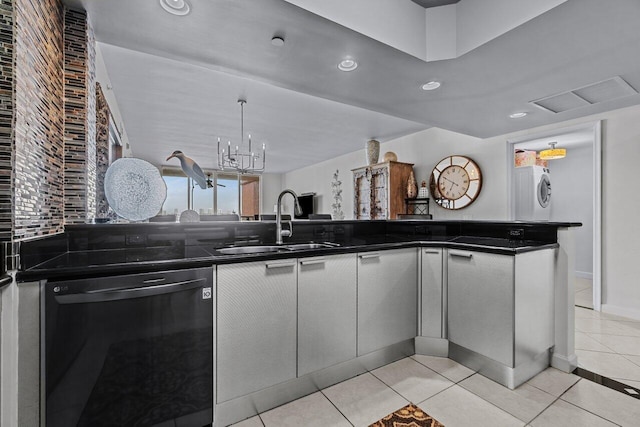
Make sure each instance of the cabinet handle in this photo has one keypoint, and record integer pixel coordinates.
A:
(461, 254)
(369, 256)
(312, 261)
(431, 251)
(281, 264)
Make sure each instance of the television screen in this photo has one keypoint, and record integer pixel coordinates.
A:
(307, 204)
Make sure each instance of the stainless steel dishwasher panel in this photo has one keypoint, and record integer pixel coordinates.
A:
(129, 350)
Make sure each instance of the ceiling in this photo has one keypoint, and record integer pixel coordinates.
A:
(434, 3)
(177, 79)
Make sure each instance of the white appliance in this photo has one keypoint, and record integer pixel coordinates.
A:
(533, 193)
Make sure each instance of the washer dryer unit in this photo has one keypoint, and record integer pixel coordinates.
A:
(533, 193)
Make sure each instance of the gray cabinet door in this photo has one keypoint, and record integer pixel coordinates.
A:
(256, 326)
(387, 298)
(326, 311)
(431, 282)
(481, 303)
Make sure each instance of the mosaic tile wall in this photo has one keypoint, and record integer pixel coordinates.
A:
(6, 117)
(103, 116)
(38, 144)
(80, 118)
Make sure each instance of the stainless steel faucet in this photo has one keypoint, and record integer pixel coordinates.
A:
(280, 233)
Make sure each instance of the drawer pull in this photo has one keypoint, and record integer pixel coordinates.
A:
(431, 251)
(370, 255)
(314, 261)
(281, 264)
(461, 254)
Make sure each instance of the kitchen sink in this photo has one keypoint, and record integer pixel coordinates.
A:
(302, 246)
(250, 249)
(243, 250)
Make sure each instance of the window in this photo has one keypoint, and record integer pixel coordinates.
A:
(230, 194)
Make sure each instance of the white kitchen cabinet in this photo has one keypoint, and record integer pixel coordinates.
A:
(256, 326)
(480, 312)
(326, 311)
(387, 298)
(431, 292)
(501, 306)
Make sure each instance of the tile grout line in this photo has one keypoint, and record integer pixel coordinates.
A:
(504, 410)
(337, 409)
(584, 409)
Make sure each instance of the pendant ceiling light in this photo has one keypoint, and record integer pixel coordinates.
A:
(553, 153)
(242, 161)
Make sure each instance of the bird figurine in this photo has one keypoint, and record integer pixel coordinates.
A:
(191, 169)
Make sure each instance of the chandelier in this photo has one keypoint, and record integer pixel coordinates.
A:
(238, 159)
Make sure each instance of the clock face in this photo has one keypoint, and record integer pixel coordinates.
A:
(455, 182)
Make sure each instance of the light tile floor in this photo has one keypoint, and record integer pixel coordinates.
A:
(458, 397)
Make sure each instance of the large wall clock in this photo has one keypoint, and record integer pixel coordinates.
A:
(455, 182)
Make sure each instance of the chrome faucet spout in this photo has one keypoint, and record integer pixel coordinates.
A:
(280, 233)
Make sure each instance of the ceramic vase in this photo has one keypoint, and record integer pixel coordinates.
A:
(412, 186)
(373, 151)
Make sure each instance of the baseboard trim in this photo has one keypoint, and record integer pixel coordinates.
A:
(621, 311)
(564, 363)
(428, 346)
(502, 374)
(584, 275)
(243, 407)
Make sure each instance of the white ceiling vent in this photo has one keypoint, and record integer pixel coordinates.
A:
(606, 90)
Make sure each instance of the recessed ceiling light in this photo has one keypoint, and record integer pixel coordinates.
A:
(432, 85)
(518, 115)
(277, 41)
(347, 64)
(176, 7)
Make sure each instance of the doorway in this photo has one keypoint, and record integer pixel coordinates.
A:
(575, 196)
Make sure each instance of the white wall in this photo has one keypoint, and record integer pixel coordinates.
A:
(272, 184)
(572, 200)
(424, 149)
(481, 21)
(621, 155)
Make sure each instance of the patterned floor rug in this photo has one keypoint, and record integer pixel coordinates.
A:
(409, 416)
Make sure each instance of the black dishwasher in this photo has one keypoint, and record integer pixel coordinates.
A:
(134, 350)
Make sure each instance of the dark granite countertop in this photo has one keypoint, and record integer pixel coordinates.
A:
(5, 280)
(95, 263)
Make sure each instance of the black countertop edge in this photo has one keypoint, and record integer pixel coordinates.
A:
(67, 273)
(558, 224)
(5, 280)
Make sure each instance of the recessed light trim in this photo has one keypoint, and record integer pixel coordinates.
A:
(432, 85)
(518, 115)
(176, 7)
(347, 64)
(277, 41)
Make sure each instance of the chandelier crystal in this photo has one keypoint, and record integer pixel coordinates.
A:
(244, 162)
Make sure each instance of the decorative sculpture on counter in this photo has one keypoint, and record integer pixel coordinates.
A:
(412, 186)
(191, 169)
(134, 189)
(423, 193)
(337, 197)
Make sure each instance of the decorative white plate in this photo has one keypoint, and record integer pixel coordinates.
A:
(134, 189)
